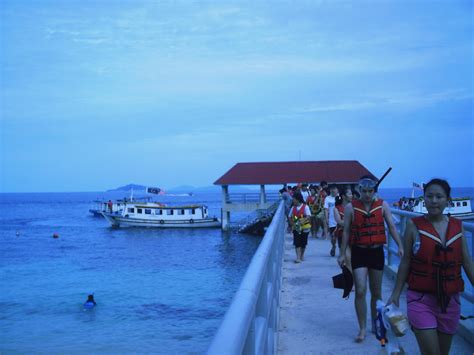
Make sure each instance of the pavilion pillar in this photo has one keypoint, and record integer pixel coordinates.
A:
(225, 218)
(263, 197)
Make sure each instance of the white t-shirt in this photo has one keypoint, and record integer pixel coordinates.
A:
(329, 203)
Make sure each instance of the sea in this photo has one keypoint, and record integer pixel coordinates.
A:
(161, 291)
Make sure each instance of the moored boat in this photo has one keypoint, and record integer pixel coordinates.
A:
(459, 207)
(156, 215)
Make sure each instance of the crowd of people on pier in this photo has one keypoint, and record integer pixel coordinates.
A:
(432, 255)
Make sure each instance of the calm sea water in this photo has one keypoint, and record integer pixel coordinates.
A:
(158, 291)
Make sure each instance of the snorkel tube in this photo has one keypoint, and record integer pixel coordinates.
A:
(383, 177)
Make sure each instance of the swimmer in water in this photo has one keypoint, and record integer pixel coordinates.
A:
(90, 303)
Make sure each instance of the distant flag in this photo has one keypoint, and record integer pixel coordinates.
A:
(153, 190)
(416, 185)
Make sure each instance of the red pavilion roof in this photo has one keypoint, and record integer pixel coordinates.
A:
(274, 173)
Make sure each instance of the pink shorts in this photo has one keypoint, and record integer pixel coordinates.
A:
(424, 313)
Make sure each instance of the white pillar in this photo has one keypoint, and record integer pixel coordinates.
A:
(225, 214)
(262, 195)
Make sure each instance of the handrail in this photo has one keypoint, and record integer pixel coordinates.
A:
(250, 323)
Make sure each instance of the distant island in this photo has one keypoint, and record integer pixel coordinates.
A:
(129, 187)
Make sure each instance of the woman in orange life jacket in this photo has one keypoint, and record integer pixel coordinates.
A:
(341, 202)
(364, 222)
(312, 202)
(299, 218)
(435, 249)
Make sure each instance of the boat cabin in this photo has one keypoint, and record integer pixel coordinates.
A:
(166, 212)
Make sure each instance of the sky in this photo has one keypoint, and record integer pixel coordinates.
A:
(99, 94)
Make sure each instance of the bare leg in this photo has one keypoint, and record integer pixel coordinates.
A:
(333, 244)
(348, 258)
(302, 253)
(360, 282)
(444, 342)
(298, 255)
(375, 284)
(428, 341)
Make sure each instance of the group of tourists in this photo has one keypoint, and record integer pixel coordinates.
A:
(432, 255)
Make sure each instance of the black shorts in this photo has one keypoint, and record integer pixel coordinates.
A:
(372, 258)
(300, 239)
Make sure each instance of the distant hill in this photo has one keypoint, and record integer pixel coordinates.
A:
(129, 187)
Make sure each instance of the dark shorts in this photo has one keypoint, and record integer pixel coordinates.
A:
(300, 239)
(371, 258)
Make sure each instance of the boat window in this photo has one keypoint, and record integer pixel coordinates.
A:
(180, 212)
(464, 203)
(147, 211)
(169, 212)
(131, 210)
(458, 204)
(139, 210)
(193, 211)
(159, 212)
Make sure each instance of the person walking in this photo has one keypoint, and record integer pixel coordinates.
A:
(435, 251)
(299, 218)
(341, 202)
(329, 203)
(364, 222)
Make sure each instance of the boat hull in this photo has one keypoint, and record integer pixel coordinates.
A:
(120, 221)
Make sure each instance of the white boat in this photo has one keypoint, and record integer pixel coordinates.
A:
(152, 214)
(459, 207)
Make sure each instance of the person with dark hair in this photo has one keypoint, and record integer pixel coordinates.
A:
(341, 202)
(435, 251)
(90, 303)
(364, 225)
(299, 218)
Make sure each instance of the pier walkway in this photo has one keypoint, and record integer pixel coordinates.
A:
(315, 319)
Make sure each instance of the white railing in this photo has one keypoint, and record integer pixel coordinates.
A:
(250, 323)
(252, 197)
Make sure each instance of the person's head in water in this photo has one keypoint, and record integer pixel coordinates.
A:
(436, 194)
(367, 188)
(90, 298)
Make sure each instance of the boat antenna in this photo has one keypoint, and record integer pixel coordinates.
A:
(383, 177)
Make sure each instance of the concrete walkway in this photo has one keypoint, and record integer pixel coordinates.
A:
(315, 319)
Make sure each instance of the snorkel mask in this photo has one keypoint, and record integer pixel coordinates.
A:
(368, 183)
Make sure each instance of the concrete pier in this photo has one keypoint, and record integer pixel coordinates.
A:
(315, 319)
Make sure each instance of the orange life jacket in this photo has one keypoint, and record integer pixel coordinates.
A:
(368, 226)
(299, 216)
(339, 229)
(435, 268)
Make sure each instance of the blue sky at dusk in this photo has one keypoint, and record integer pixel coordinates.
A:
(98, 94)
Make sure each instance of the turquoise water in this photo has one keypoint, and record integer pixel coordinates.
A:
(158, 291)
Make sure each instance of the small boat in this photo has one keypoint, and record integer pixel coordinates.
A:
(459, 207)
(153, 214)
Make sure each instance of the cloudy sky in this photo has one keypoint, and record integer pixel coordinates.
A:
(98, 94)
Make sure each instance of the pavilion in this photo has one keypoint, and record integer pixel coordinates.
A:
(339, 172)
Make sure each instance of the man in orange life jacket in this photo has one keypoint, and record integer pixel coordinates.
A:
(364, 224)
